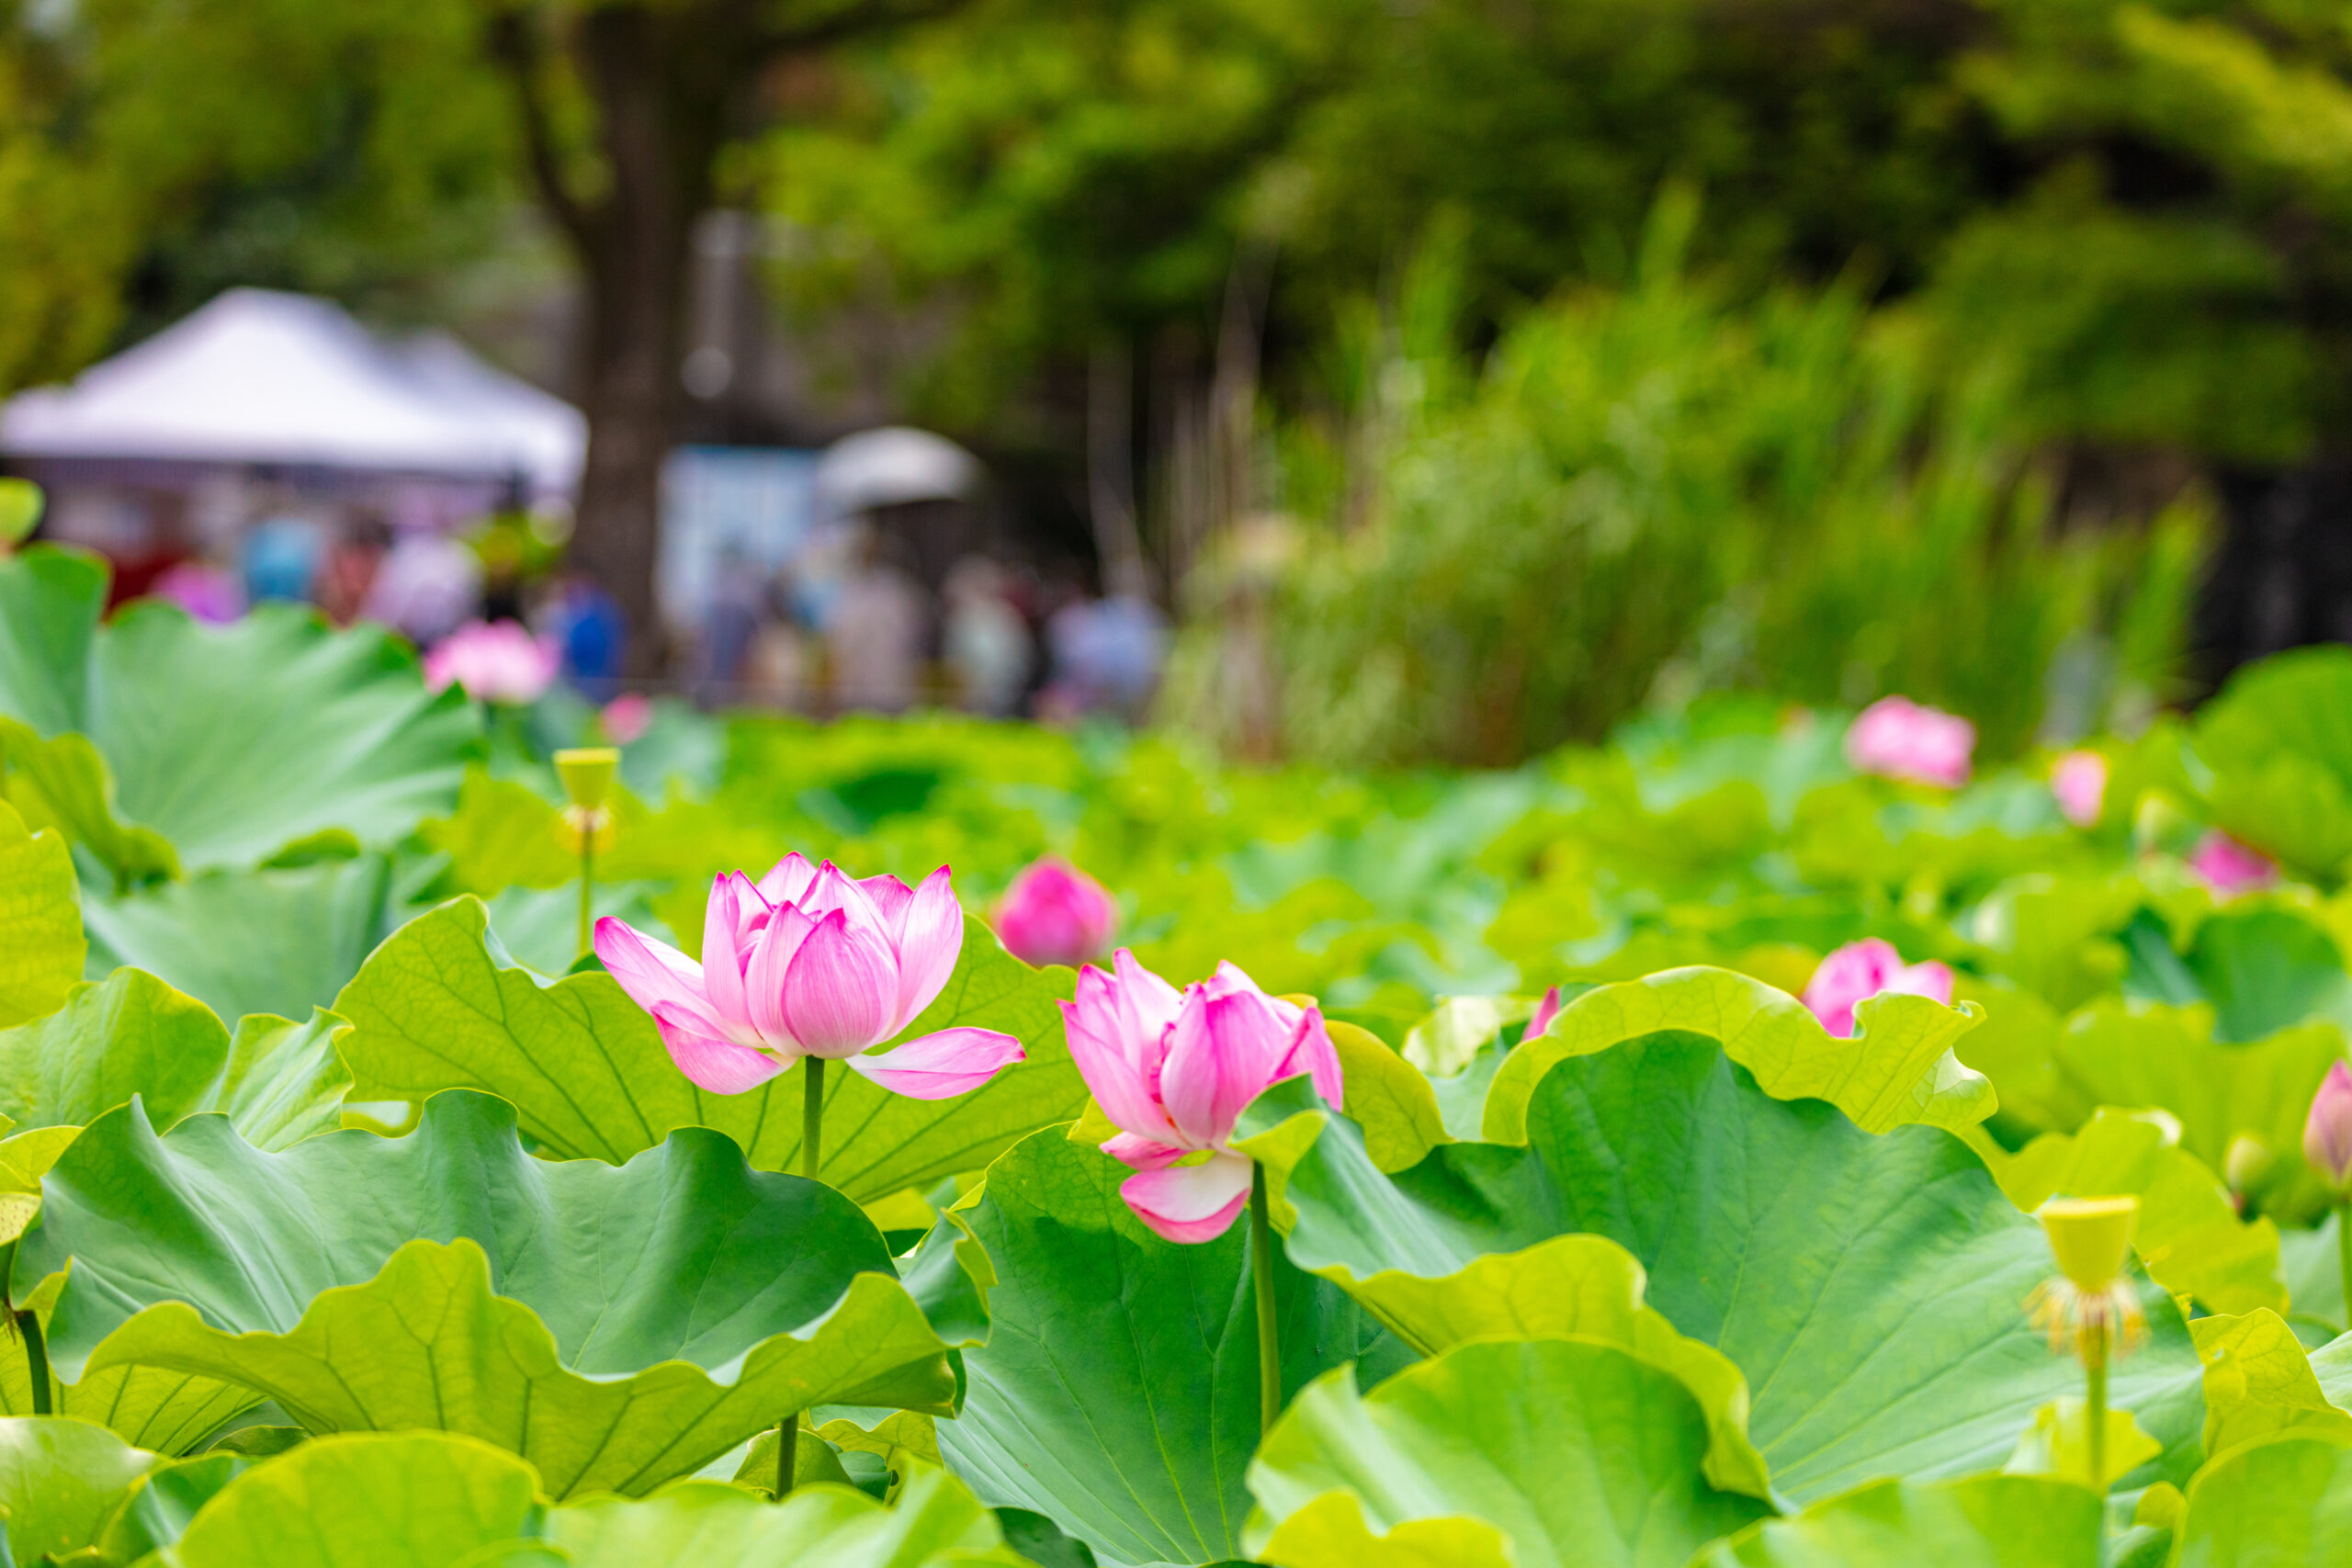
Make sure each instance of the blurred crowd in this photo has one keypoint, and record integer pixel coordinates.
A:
(847, 624)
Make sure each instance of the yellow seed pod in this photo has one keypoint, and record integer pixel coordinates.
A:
(2091, 1237)
(587, 773)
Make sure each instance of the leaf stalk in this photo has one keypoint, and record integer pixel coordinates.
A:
(1261, 1263)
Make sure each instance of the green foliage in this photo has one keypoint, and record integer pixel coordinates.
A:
(42, 945)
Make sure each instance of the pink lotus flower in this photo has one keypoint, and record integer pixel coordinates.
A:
(1866, 968)
(2327, 1133)
(495, 661)
(626, 717)
(806, 961)
(2229, 867)
(1174, 1069)
(1897, 738)
(2079, 781)
(1055, 913)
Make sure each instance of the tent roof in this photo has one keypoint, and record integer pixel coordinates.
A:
(261, 377)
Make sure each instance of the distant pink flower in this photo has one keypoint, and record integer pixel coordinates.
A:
(1174, 1069)
(1864, 969)
(1055, 913)
(1545, 1012)
(2079, 781)
(1899, 738)
(626, 717)
(808, 963)
(206, 592)
(2228, 866)
(2327, 1133)
(495, 661)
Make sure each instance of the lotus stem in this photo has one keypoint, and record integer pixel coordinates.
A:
(788, 1448)
(2343, 1252)
(36, 1358)
(1261, 1262)
(587, 893)
(812, 1116)
(2095, 1401)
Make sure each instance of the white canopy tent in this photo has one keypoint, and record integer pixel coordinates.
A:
(262, 378)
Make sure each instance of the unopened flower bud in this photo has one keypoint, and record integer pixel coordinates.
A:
(2327, 1132)
(2248, 1161)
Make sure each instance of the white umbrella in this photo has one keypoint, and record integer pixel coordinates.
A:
(892, 466)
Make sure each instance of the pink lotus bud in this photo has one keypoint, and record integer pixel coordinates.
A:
(495, 661)
(1545, 1012)
(807, 963)
(626, 717)
(2327, 1133)
(1055, 913)
(1174, 1069)
(1866, 968)
(1897, 738)
(2228, 866)
(2079, 781)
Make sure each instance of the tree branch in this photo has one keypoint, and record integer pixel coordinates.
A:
(515, 45)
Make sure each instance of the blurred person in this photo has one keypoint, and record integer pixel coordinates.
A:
(586, 623)
(986, 639)
(281, 559)
(426, 587)
(875, 632)
(1107, 655)
(731, 621)
(204, 588)
(350, 569)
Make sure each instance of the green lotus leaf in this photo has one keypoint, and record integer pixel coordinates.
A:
(397, 1500)
(2189, 1235)
(1897, 1069)
(502, 834)
(1118, 1391)
(441, 1004)
(2259, 1385)
(1871, 1287)
(42, 945)
(1989, 1521)
(2265, 969)
(277, 942)
(2270, 1504)
(61, 1481)
(198, 728)
(2145, 1053)
(1568, 1452)
(682, 1302)
(1389, 1098)
(2280, 753)
(63, 782)
(50, 600)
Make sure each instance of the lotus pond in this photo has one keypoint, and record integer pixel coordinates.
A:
(1733, 1145)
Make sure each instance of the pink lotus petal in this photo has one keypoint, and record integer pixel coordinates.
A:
(1190, 1203)
(788, 880)
(941, 1065)
(1864, 969)
(718, 1066)
(724, 953)
(770, 971)
(626, 718)
(1899, 738)
(929, 943)
(836, 993)
(1312, 1052)
(891, 899)
(2079, 781)
(1145, 1009)
(496, 661)
(1141, 1153)
(653, 972)
(1545, 1012)
(1126, 1093)
(1227, 1046)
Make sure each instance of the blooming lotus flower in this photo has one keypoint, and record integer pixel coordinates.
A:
(1866, 968)
(2327, 1132)
(1174, 1069)
(1897, 738)
(2228, 866)
(2079, 781)
(495, 661)
(806, 961)
(1055, 913)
